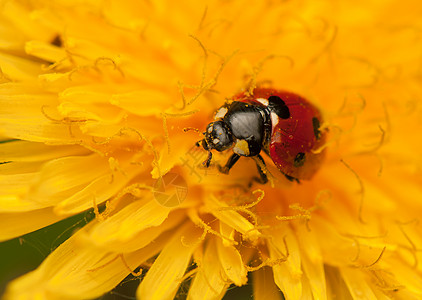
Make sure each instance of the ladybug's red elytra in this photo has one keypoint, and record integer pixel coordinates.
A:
(282, 124)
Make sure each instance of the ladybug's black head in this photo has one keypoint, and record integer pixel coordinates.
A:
(217, 136)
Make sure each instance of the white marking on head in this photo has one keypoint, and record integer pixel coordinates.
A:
(210, 129)
(220, 113)
(274, 120)
(216, 141)
(263, 101)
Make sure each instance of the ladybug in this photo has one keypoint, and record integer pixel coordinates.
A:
(282, 124)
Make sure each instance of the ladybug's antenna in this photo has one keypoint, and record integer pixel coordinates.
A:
(190, 129)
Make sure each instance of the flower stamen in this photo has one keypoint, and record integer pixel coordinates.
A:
(189, 274)
(375, 262)
(413, 249)
(252, 83)
(105, 59)
(133, 189)
(193, 215)
(361, 191)
(100, 217)
(166, 132)
(135, 274)
(104, 265)
(266, 263)
(244, 208)
(326, 47)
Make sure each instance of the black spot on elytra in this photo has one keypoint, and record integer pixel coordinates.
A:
(276, 104)
(316, 125)
(299, 159)
(57, 41)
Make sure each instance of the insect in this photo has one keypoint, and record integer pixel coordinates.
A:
(282, 124)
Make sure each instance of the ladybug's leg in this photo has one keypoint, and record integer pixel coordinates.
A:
(261, 166)
(229, 164)
(207, 162)
(291, 178)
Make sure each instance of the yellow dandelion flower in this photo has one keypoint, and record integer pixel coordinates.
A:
(102, 102)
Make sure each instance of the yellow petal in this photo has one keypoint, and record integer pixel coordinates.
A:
(232, 218)
(407, 278)
(15, 224)
(64, 176)
(380, 295)
(59, 81)
(10, 37)
(153, 73)
(13, 188)
(139, 102)
(290, 286)
(336, 249)
(336, 287)
(312, 262)
(209, 282)
(174, 154)
(100, 190)
(19, 68)
(20, 15)
(232, 263)
(78, 270)
(18, 175)
(128, 14)
(263, 285)
(142, 237)
(228, 232)
(30, 151)
(357, 284)
(15, 182)
(165, 275)
(45, 51)
(88, 94)
(129, 221)
(21, 107)
(282, 237)
(306, 289)
(287, 274)
(90, 49)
